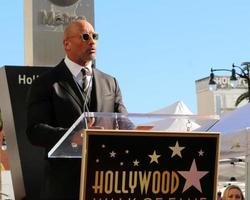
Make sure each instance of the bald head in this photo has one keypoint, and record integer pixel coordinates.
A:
(77, 49)
(75, 27)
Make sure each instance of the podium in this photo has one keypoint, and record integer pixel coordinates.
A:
(138, 156)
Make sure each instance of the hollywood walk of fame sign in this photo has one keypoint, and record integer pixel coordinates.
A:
(143, 165)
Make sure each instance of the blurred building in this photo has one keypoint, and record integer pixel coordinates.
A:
(44, 23)
(220, 101)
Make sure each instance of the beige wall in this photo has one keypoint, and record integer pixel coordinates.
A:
(222, 100)
(205, 103)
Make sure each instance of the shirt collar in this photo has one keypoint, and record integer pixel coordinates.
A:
(74, 68)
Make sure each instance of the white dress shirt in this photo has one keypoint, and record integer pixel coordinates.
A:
(75, 69)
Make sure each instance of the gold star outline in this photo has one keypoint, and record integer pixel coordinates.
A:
(177, 150)
(154, 157)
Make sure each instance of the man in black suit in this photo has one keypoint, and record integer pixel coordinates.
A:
(57, 99)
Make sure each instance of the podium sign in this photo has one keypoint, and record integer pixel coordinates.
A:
(148, 165)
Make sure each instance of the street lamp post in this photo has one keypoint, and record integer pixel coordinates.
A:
(243, 73)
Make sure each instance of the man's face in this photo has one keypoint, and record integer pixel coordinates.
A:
(81, 43)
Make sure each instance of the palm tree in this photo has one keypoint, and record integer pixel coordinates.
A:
(244, 74)
(242, 97)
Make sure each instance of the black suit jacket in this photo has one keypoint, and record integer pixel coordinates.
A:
(54, 104)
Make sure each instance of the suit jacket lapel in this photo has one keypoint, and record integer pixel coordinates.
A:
(69, 89)
(98, 89)
(68, 83)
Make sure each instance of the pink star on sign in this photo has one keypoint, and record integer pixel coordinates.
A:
(193, 177)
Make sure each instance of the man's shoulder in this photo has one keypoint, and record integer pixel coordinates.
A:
(51, 74)
(103, 74)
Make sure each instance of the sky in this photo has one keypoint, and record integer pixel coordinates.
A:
(155, 49)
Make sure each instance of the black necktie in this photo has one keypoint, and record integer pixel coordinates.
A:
(85, 83)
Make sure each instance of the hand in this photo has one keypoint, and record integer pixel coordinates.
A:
(90, 121)
(77, 138)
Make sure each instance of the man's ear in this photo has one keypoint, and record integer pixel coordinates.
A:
(67, 44)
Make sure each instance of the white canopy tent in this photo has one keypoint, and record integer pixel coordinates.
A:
(178, 107)
(235, 144)
(233, 121)
(175, 124)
